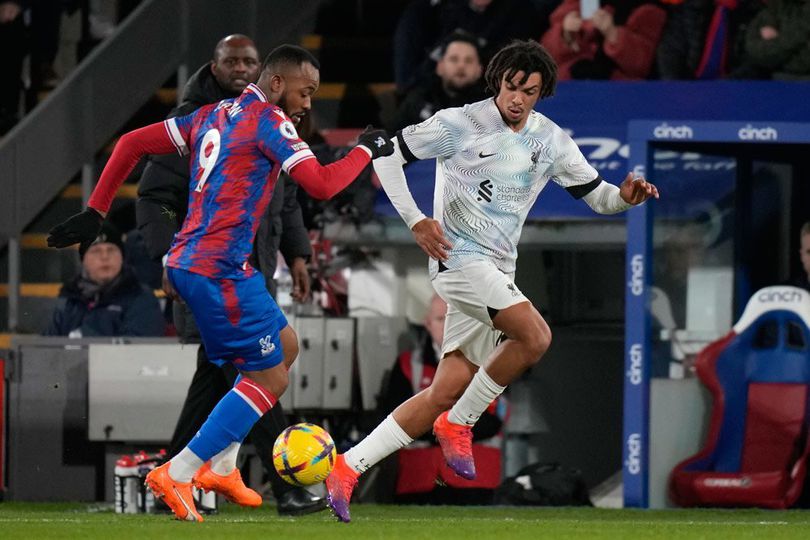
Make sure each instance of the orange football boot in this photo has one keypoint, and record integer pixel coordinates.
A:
(231, 486)
(456, 443)
(177, 495)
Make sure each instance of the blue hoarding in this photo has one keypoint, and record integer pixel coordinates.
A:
(596, 115)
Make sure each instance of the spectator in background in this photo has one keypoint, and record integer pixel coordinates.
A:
(105, 299)
(683, 39)
(428, 479)
(46, 22)
(803, 280)
(702, 39)
(12, 43)
(161, 208)
(425, 24)
(617, 41)
(777, 42)
(456, 82)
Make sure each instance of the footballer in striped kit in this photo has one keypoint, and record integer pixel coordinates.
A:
(304, 454)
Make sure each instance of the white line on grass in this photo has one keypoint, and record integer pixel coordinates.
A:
(581, 521)
(44, 520)
(466, 519)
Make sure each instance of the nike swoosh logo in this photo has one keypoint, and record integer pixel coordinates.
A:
(190, 514)
(483, 155)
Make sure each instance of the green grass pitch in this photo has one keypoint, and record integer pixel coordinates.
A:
(87, 522)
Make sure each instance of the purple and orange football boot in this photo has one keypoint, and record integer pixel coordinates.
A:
(339, 486)
(456, 443)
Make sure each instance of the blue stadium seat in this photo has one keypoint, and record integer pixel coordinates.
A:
(757, 445)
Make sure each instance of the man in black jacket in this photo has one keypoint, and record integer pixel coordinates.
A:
(457, 81)
(160, 209)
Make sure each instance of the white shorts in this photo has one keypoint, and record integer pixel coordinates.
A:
(472, 293)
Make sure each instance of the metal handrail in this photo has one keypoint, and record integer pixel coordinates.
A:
(62, 135)
(50, 145)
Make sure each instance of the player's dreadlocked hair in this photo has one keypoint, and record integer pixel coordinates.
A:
(290, 55)
(527, 56)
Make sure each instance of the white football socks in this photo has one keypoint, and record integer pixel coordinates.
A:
(225, 462)
(476, 398)
(386, 439)
(183, 466)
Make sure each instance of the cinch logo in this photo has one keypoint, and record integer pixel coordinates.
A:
(633, 462)
(485, 191)
(780, 295)
(750, 133)
(743, 482)
(636, 357)
(636, 283)
(665, 131)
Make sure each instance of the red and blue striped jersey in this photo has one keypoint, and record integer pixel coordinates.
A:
(238, 147)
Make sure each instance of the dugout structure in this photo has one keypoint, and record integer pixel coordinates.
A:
(694, 257)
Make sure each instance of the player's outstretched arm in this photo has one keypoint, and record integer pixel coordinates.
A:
(326, 181)
(609, 199)
(84, 226)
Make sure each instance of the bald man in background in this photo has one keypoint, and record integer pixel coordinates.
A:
(160, 209)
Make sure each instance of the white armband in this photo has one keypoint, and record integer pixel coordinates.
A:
(392, 178)
(606, 199)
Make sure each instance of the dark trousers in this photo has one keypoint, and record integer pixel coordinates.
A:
(13, 45)
(208, 385)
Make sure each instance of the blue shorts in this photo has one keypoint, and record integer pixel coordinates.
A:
(238, 319)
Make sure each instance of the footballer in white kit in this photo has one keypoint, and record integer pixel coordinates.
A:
(493, 159)
(487, 179)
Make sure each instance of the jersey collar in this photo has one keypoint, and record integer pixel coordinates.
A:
(256, 90)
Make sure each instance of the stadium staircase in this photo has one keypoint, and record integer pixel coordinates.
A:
(58, 141)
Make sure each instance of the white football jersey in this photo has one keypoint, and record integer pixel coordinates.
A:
(488, 176)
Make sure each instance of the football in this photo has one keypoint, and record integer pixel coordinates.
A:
(304, 454)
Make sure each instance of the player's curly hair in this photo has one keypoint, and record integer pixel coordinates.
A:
(527, 56)
(290, 55)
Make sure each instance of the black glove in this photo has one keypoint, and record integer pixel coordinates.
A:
(83, 227)
(377, 141)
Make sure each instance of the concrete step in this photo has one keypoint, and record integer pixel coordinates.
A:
(43, 264)
(48, 290)
(354, 105)
(69, 202)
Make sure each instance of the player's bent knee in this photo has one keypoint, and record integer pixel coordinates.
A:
(279, 383)
(441, 399)
(541, 343)
(290, 353)
(536, 344)
(275, 379)
(289, 344)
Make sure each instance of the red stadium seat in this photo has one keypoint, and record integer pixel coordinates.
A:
(757, 446)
